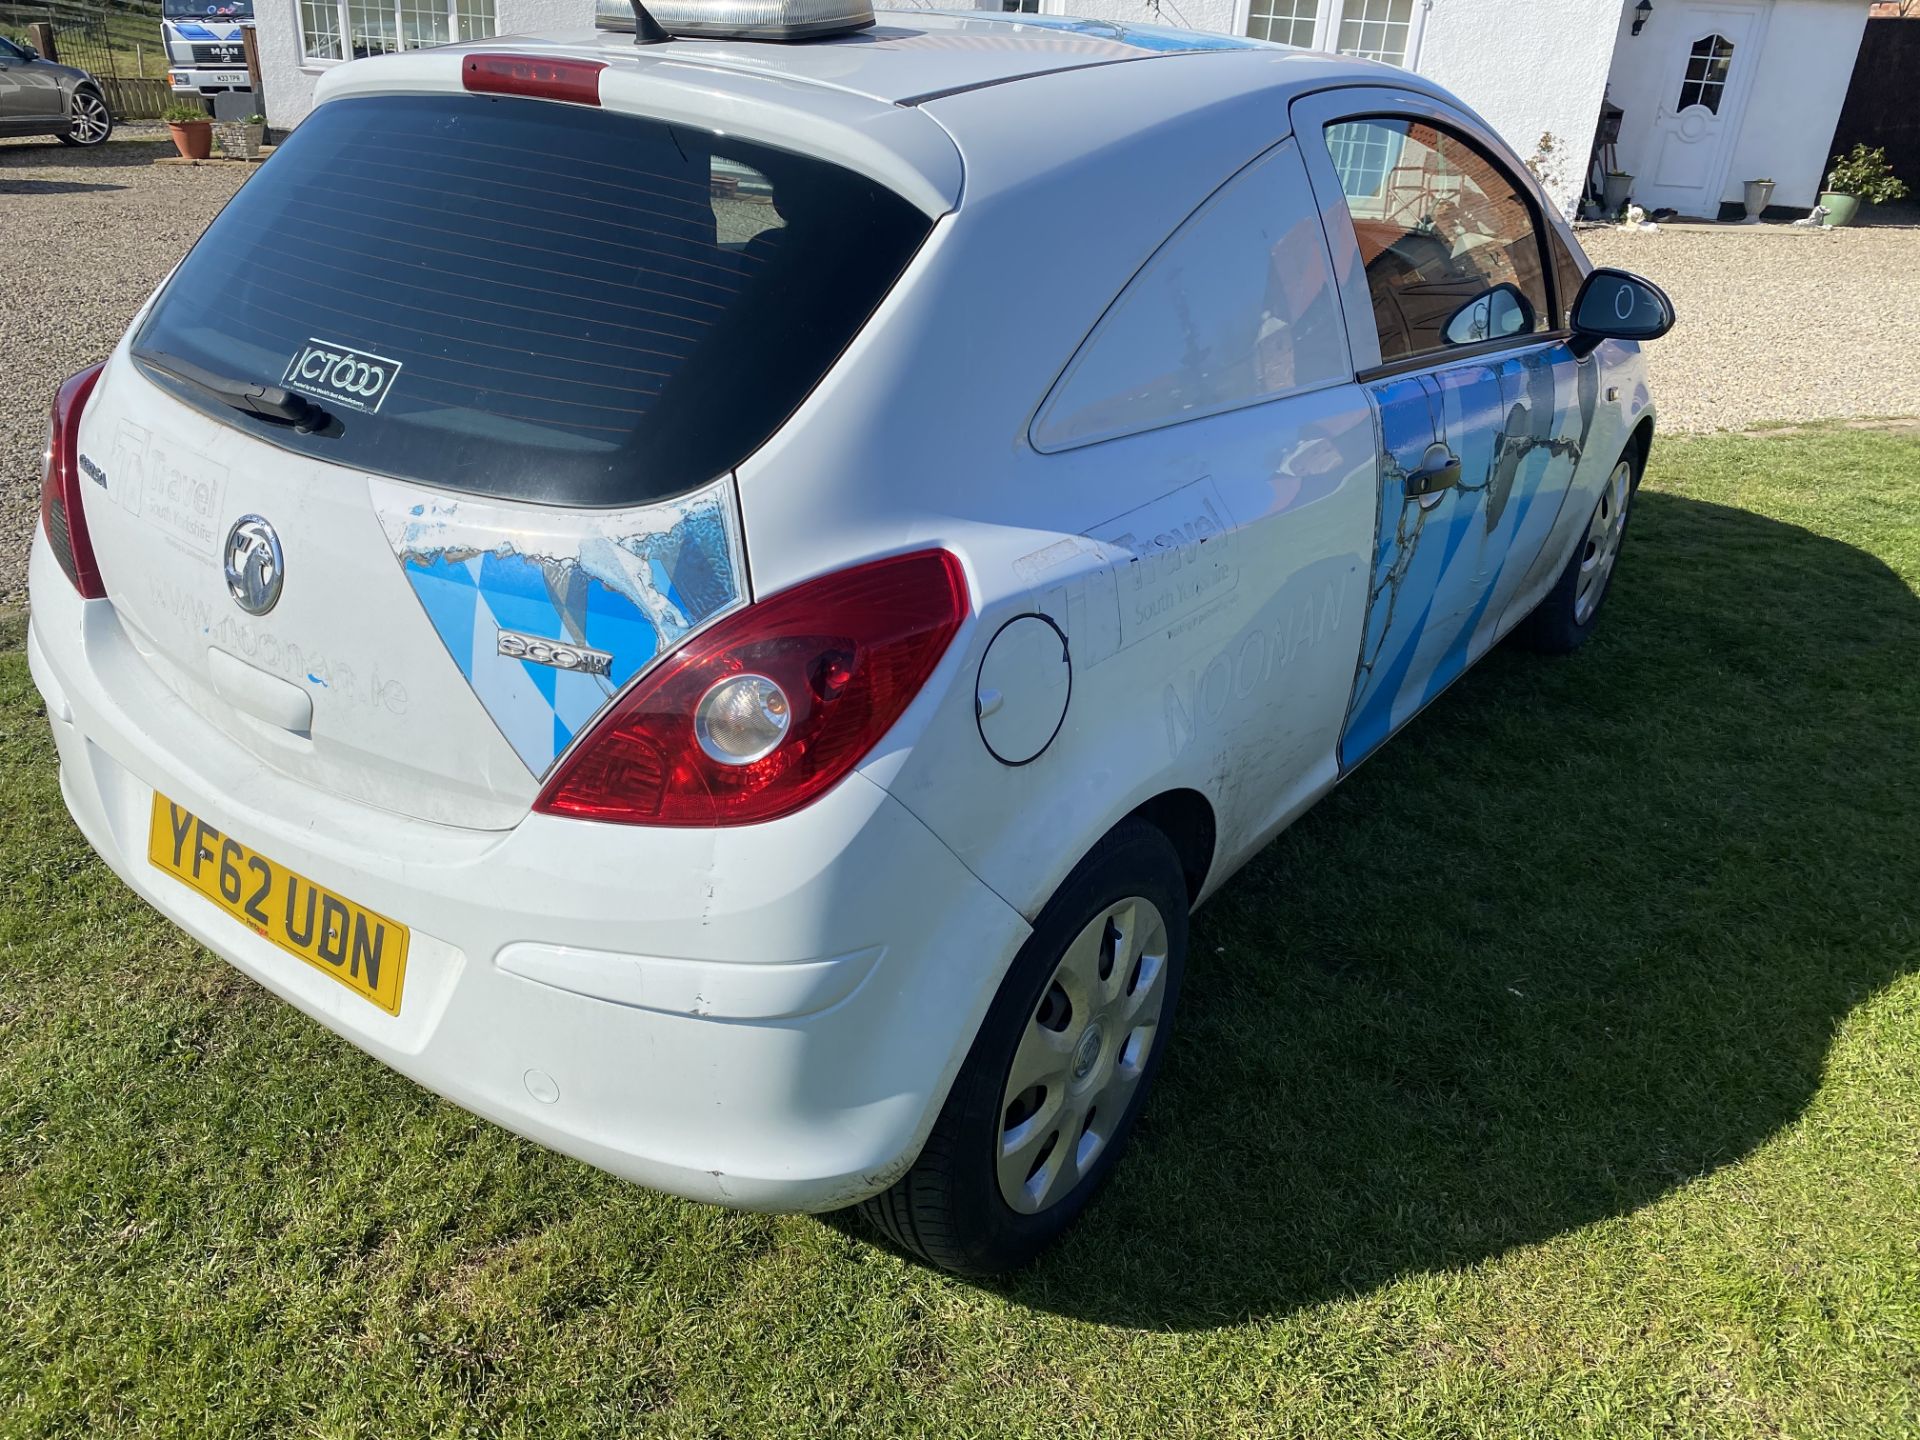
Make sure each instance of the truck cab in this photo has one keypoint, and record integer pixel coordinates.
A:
(206, 54)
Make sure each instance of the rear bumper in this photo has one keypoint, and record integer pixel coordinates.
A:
(767, 1017)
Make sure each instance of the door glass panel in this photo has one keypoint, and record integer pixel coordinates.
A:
(1706, 75)
(1440, 227)
(1287, 22)
(1376, 29)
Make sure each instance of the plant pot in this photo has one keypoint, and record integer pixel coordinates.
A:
(1617, 190)
(192, 138)
(239, 140)
(1841, 209)
(1759, 196)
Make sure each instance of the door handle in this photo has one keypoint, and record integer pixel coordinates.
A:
(1439, 470)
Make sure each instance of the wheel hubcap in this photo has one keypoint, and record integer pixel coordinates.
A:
(89, 119)
(1077, 1069)
(1604, 532)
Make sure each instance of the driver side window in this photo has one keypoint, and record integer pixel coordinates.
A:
(1451, 251)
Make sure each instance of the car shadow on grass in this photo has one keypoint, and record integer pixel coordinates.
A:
(1581, 934)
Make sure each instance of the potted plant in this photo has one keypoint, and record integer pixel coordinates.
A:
(1616, 190)
(1859, 176)
(1759, 196)
(240, 139)
(192, 130)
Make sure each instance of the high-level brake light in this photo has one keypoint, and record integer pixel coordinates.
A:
(535, 76)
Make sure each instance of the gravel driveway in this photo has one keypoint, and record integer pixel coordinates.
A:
(85, 237)
(1778, 323)
(1775, 323)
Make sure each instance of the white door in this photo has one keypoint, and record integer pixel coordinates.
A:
(1707, 72)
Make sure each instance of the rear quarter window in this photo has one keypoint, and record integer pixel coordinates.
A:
(1236, 308)
(561, 303)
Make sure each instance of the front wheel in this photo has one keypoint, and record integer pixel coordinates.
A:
(1563, 620)
(1060, 1070)
(89, 123)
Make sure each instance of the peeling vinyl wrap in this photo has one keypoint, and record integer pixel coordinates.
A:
(631, 583)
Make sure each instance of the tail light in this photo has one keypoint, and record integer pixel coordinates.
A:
(771, 707)
(62, 514)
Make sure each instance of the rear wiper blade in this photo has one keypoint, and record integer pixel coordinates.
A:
(269, 402)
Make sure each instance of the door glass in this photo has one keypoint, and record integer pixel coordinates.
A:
(1440, 228)
(1287, 22)
(1376, 29)
(1706, 78)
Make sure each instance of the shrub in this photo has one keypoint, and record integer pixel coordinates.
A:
(1865, 173)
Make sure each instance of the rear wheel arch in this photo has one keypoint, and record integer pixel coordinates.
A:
(1186, 818)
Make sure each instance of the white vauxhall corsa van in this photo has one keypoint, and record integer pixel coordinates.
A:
(719, 601)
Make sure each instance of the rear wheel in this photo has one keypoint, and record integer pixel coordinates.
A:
(88, 121)
(1049, 1094)
(1564, 619)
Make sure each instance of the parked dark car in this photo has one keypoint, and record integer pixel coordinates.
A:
(38, 97)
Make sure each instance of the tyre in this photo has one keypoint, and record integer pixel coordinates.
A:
(1043, 1107)
(1561, 623)
(88, 121)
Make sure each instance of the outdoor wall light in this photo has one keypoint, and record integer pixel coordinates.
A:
(1642, 13)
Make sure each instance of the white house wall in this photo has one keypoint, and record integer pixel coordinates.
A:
(289, 82)
(1529, 69)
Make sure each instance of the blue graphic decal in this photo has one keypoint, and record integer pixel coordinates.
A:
(1518, 426)
(1147, 37)
(627, 586)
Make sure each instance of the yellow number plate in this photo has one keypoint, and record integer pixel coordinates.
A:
(365, 952)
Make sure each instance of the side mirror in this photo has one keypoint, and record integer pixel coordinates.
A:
(1615, 305)
(1500, 312)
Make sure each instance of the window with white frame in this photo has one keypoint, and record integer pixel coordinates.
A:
(1376, 29)
(1286, 22)
(1386, 30)
(353, 29)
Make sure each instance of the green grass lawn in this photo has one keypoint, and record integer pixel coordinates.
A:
(1560, 1075)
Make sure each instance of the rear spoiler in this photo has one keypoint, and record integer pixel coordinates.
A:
(907, 151)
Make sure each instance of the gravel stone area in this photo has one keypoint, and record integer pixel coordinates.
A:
(1776, 324)
(85, 235)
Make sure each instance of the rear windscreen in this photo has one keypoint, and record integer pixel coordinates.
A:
(530, 299)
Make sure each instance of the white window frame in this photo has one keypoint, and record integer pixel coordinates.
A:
(1326, 29)
(322, 62)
